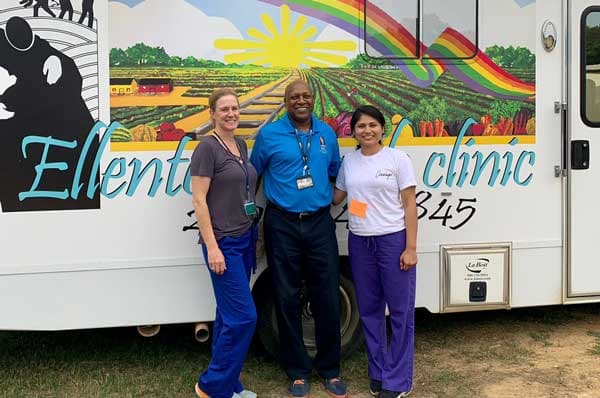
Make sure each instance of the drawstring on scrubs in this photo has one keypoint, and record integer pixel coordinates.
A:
(372, 243)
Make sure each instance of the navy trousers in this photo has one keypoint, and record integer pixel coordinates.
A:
(378, 279)
(235, 319)
(305, 248)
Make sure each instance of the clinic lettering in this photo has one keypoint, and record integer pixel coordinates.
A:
(462, 167)
(120, 177)
(123, 177)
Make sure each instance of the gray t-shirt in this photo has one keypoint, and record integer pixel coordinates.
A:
(227, 193)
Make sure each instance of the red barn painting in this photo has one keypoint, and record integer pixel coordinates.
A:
(155, 86)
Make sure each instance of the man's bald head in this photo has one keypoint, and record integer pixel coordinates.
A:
(296, 83)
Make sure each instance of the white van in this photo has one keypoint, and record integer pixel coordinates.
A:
(496, 102)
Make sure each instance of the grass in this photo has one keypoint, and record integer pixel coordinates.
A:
(111, 362)
(541, 337)
(452, 383)
(119, 363)
(595, 350)
(455, 355)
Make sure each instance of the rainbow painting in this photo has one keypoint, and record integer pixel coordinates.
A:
(387, 36)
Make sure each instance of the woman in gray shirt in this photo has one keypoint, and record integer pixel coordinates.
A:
(223, 186)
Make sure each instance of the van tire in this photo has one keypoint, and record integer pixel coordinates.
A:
(350, 326)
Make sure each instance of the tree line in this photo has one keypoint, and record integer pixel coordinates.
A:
(141, 54)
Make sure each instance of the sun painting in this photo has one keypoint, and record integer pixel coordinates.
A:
(291, 47)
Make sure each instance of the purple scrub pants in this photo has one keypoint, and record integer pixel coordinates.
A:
(378, 279)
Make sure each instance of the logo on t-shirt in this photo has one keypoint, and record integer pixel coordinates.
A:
(323, 145)
(385, 174)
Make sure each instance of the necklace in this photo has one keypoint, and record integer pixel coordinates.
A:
(239, 157)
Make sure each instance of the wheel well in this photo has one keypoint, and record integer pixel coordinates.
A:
(266, 333)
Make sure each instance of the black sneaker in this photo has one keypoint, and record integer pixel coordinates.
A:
(394, 394)
(374, 387)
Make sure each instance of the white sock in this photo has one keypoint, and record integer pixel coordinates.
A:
(244, 394)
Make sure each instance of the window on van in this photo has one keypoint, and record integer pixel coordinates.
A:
(459, 15)
(391, 29)
(590, 59)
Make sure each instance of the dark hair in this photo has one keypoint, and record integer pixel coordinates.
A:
(368, 110)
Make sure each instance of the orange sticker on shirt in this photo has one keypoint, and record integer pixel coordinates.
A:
(358, 209)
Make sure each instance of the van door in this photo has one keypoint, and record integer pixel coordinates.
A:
(583, 149)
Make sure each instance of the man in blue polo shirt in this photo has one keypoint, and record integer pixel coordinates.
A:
(298, 155)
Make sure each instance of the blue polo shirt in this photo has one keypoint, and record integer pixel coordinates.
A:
(277, 156)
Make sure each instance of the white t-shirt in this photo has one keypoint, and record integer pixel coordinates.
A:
(376, 181)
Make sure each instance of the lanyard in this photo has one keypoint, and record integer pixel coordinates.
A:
(304, 152)
(241, 163)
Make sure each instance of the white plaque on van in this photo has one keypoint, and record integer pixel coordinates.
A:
(475, 276)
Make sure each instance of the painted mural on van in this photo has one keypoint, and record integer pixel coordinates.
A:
(446, 82)
(445, 78)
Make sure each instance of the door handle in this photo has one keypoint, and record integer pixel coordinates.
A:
(580, 155)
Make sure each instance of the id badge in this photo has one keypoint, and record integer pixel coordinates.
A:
(304, 182)
(250, 208)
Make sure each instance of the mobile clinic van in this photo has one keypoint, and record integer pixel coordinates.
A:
(496, 101)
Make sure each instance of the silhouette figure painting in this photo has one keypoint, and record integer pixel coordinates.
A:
(66, 7)
(40, 96)
(43, 4)
(87, 10)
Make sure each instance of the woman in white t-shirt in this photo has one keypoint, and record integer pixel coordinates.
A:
(379, 183)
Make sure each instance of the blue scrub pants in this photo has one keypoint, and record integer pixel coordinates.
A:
(378, 279)
(235, 319)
